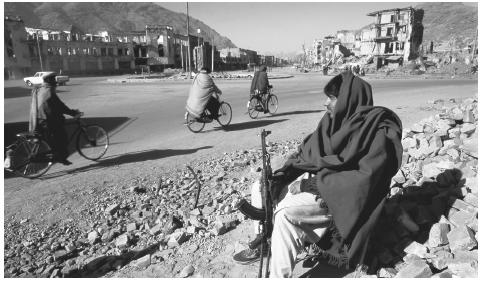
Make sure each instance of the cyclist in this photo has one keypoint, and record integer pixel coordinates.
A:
(46, 117)
(203, 92)
(259, 84)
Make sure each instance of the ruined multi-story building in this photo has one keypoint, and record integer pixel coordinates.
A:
(238, 58)
(16, 54)
(398, 34)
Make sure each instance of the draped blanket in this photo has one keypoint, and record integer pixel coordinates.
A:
(354, 155)
(200, 92)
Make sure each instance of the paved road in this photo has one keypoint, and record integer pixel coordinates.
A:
(145, 120)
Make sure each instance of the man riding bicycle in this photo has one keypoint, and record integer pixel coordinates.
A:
(203, 95)
(46, 117)
(260, 84)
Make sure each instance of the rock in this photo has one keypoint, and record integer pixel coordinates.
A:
(143, 262)
(136, 189)
(61, 255)
(441, 260)
(417, 128)
(470, 146)
(416, 249)
(460, 239)
(438, 235)
(187, 271)
(93, 237)
(176, 239)
(430, 170)
(110, 210)
(459, 218)
(471, 199)
(444, 274)
(131, 227)
(387, 272)
(464, 270)
(191, 229)
(462, 206)
(409, 143)
(56, 273)
(415, 269)
(399, 178)
(122, 241)
(156, 229)
(468, 129)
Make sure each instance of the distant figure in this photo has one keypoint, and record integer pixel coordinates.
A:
(203, 92)
(46, 117)
(259, 83)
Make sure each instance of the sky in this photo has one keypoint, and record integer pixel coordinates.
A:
(273, 27)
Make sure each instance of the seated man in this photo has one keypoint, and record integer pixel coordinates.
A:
(202, 95)
(46, 117)
(343, 171)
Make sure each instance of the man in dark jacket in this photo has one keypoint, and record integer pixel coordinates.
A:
(259, 83)
(338, 179)
(46, 117)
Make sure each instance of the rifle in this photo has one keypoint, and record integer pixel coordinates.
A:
(264, 215)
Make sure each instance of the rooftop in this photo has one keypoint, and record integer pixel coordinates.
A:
(389, 10)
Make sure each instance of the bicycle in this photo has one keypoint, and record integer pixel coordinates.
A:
(31, 155)
(196, 124)
(266, 103)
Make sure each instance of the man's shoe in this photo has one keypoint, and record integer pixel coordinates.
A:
(247, 256)
(65, 162)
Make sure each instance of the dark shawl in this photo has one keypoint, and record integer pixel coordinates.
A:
(260, 80)
(354, 156)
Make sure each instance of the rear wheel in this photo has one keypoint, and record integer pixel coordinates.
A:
(31, 158)
(193, 124)
(92, 142)
(254, 107)
(224, 114)
(272, 104)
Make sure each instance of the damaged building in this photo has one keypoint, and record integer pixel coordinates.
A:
(398, 35)
(16, 54)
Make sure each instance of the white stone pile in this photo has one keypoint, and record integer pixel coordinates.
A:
(429, 228)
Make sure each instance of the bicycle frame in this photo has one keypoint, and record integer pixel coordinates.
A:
(80, 127)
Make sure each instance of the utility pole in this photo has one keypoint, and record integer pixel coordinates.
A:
(188, 51)
(213, 49)
(39, 52)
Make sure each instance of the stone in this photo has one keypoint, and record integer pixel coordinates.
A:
(409, 143)
(176, 239)
(191, 229)
(470, 146)
(462, 206)
(110, 210)
(399, 178)
(122, 241)
(187, 271)
(438, 235)
(459, 218)
(471, 199)
(387, 272)
(143, 262)
(430, 170)
(464, 270)
(131, 227)
(468, 129)
(93, 237)
(416, 249)
(61, 255)
(155, 230)
(460, 239)
(436, 142)
(56, 273)
(417, 128)
(444, 274)
(441, 260)
(415, 269)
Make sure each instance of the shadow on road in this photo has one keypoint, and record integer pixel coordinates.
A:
(298, 112)
(108, 123)
(16, 92)
(248, 125)
(137, 156)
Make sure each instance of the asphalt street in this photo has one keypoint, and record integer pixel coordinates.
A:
(145, 120)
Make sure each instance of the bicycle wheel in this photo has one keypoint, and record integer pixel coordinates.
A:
(31, 158)
(272, 104)
(92, 142)
(224, 114)
(193, 124)
(253, 107)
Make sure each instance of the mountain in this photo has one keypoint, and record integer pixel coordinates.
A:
(113, 16)
(449, 21)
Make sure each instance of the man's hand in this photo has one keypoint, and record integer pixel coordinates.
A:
(277, 184)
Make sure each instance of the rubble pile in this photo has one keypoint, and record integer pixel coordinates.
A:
(429, 225)
(136, 225)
